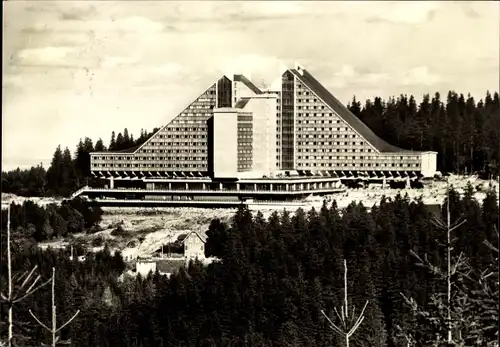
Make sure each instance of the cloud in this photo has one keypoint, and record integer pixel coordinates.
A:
(139, 25)
(355, 77)
(404, 12)
(117, 62)
(78, 11)
(421, 75)
(260, 67)
(241, 12)
(146, 76)
(126, 25)
(269, 10)
(45, 55)
(470, 11)
(166, 69)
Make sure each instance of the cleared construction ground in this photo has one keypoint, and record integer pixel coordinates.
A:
(146, 229)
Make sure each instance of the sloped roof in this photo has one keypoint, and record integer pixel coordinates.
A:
(248, 83)
(242, 103)
(128, 150)
(201, 236)
(182, 237)
(344, 113)
(187, 100)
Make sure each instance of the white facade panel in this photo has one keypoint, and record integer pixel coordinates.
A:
(225, 143)
(429, 164)
(263, 108)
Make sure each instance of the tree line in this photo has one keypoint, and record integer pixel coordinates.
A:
(277, 275)
(41, 223)
(464, 132)
(67, 172)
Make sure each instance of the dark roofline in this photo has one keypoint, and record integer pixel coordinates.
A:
(248, 83)
(133, 150)
(127, 151)
(344, 113)
(197, 234)
(242, 103)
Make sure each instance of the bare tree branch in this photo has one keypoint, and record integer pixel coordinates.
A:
(13, 297)
(54, 330)
(69, 321)
(32, 291)
(39, 322)
(348, 328)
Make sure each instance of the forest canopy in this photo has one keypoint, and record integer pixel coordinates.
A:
(274, 278)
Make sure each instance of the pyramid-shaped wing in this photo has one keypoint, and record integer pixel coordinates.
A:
(320, 133)
(352, 121)
(180, 145)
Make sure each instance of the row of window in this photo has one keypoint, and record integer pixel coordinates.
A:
(191, 118)
(150, 151)
(335, 150)
(246, 118)
(197, 158)
(343, 158)
(338, 143)
(312, 108)
(302, 93)
(173, 144)
(167, 143)
(180, 150)
(308, 100)
(318, 143)
(199, 107)
(312, 114)
(354, 150)
(183, 129)
(149, 166)
(357, 164)
(338, 121)
(327, 136)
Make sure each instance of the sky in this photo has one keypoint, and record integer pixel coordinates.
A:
(75, 69)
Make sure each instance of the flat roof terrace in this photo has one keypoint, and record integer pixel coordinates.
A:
(333, 177)
(211, 188)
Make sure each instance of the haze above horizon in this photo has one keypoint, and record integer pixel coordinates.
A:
(75, 69)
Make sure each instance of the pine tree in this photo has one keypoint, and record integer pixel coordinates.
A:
(80, 162)
(112, 143)
(20, 287)
(440, 315)
(68, 175)
(349, 322)
(355, 106)
(54, 330)
(119, 142)
(55, 171)
(99, 146)
(126, 139)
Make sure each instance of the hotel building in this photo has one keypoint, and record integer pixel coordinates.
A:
(294, 137)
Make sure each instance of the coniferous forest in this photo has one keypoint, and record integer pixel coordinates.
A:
(275, 276)
(465, 132)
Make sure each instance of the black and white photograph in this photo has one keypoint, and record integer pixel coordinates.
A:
(250, 173)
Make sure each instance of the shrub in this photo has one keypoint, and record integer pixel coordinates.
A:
(98, 241)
